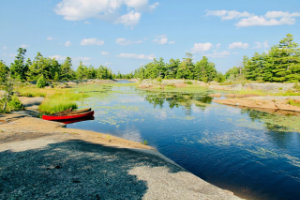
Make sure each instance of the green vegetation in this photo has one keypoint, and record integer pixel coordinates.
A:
(56, 99)
(280, 64)
(43, 71)
(145, 142)
(51, 70)
(41, 82)
(8, 101)
(179, 99)
(202, 70)
(59, 102)
(294, 102)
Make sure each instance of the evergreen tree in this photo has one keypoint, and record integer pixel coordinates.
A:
(66, 72)
(18, 68)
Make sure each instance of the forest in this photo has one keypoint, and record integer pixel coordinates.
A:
(280, 64)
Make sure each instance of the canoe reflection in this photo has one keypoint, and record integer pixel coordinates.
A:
(78, 120)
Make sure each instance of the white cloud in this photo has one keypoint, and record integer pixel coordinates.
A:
(125, 42)
(238, 45)
(104, 53)
(227, 14)
(245, 19)
(129, 19)
(24, 46)
(112, 10)
(85, 60)
(91, 41)
(201, 47)
(49, 38)
(218, 54)
(261, 45)
(82, 58)
(279, 14)
(58, 57)
(137, 4)
(136, 56)
(263, 21)
(68, 43)
(162, 40)
(218, 45)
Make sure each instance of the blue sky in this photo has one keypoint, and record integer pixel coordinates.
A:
(125, 34)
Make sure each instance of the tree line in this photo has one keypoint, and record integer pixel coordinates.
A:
(280, 64)
(50, 69)
(203, 70)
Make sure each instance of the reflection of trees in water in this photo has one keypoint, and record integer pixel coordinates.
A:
(185, 100)
(267, 118)
(277, 126)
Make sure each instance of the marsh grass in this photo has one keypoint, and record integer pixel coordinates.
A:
(56, 99)
(60, 101)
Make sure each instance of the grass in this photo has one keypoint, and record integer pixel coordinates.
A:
(60, 101)
(294, 102)
(56, 99)
(173, 88)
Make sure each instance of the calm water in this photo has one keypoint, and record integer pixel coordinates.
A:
(254, 154)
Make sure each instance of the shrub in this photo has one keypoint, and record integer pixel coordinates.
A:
(41, 82)
(188, 82)
(15, 104)
(12, 104)
(159, 79)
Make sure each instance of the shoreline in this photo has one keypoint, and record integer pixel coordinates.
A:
(267, 97)
(164, 179)
(22, 133)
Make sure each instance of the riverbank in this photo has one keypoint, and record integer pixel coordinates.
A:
(282, 98)
(42, 159)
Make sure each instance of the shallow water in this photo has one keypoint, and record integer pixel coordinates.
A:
(254, 154)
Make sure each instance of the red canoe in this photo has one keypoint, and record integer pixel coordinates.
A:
(69, 116)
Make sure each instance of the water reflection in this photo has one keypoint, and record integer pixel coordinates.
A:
(274, 122)
(78, 120)
(230, 147)
(185, 100)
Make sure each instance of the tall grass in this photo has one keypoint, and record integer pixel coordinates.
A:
(56, 99)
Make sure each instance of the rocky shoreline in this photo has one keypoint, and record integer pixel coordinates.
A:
(43, 160)
(270, 104)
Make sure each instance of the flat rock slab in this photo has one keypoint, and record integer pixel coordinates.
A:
(272, 104)
(43, 160)
(31, 101)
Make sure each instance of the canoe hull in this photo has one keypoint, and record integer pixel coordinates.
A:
(68, 117)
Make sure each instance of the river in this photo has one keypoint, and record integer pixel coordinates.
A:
(254, 154)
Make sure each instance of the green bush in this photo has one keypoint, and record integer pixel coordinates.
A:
(15, 104)
(41, 82)
(159, 79)
(188, 82)
(10, 105)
